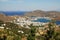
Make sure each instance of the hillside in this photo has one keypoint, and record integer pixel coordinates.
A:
(42, 13)
(6, 18)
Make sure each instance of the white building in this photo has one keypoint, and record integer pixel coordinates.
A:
(22, 21)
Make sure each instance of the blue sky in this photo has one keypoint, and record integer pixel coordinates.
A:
(29, 5)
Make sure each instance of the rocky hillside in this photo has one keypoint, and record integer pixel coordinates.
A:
(43, 13)
(6, 18)
(53, 14)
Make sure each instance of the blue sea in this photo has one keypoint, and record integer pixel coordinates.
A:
(11, 13)
(58, 22)
(45, 20)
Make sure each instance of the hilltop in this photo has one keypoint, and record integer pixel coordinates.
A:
(40, 13)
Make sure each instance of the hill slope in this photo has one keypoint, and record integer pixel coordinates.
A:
(43, 13)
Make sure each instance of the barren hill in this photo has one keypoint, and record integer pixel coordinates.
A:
(43, 13)
(6, 18)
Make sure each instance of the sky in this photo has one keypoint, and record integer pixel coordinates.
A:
(29, 5)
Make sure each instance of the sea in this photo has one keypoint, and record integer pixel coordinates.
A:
(44, 20)
(12, 13)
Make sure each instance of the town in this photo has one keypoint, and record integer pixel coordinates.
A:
(29, 19)
(21, 27)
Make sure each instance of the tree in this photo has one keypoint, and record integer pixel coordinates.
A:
(1, 22)
(31, 35)
(51, 34)
(1, 38)
(4, 37)
(11, 25)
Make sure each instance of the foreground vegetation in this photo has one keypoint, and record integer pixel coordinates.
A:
(10, 32)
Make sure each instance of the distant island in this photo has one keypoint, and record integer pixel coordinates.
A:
(39, 13)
